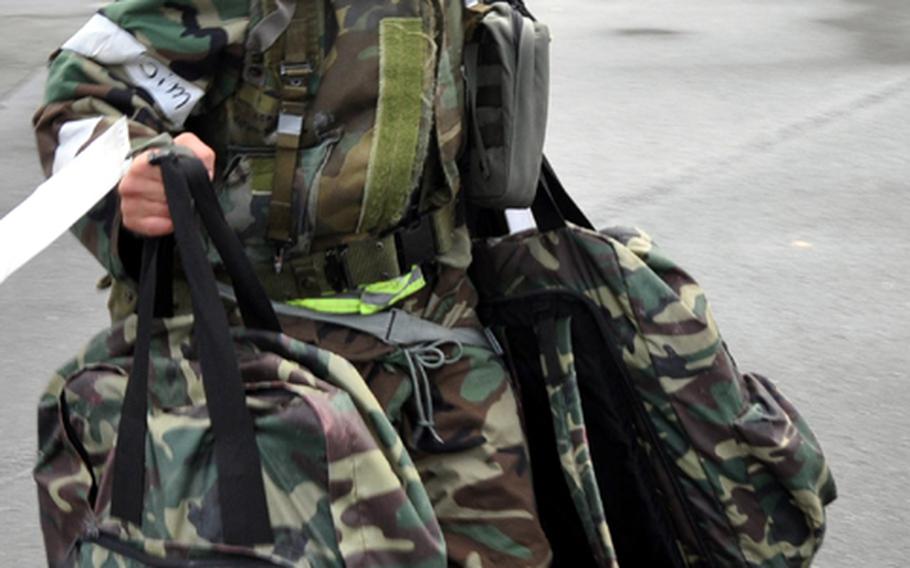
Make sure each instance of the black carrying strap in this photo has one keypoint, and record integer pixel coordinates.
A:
(244, 510)
(254, 303)
(553, 206)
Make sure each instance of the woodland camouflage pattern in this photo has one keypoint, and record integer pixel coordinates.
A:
(746, 460)
(340, 486)
(571, 440)
(477, 475)
(478, 478)
(204, 44)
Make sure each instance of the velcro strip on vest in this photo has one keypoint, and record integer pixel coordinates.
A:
(406, 74)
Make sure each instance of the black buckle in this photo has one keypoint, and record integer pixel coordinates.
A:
(416, 243)
(336, 270)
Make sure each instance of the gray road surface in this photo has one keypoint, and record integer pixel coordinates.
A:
(763, 143)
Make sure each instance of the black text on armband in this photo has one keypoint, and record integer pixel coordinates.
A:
(167, 83)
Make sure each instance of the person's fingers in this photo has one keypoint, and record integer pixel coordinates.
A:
(145, 217)
(143, 167)
(143, 204)
(151, 226)
(199, 149)
(143, 189)
(142, 181)
(137, 208)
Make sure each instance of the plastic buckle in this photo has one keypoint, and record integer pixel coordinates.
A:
(279, 258)
(416, 243)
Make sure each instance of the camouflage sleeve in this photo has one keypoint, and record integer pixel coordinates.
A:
(158, 62)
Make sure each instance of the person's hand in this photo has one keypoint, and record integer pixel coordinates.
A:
(143, 206)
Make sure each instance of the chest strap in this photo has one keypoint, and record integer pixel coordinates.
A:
(302, 59)
(393, 326)
(363, 262)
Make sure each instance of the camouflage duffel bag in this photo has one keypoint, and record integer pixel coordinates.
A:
(176, 441)
(671, 456)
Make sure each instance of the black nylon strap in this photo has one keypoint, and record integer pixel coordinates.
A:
(546, 340)
(244, 510)
(128, 485)
(552, 205)
(164, 279)
(254, 303)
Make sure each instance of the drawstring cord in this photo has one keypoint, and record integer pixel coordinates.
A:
(420, 358)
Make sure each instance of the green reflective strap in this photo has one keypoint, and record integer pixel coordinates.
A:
(331, 305)
(393, 326)
(399, 145)
(392, 291)
(370, 299)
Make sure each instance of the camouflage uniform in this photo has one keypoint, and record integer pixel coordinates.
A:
(187, 64)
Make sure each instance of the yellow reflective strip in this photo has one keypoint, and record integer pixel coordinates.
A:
(395, 285)
(392, 291)
(328, 305)
(413, 288)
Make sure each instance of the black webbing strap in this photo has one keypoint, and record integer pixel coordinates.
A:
(552, 205)
(164, 280)
(547, 338)
(128, 485)
(254, 303)
(244, 510)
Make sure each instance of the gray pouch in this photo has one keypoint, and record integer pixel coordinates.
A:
(507, 75)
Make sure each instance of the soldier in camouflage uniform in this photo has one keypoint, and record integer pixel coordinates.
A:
(332, 129)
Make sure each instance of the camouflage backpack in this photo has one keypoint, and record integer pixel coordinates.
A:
(178, 442)
(340, 142)
(670, 455)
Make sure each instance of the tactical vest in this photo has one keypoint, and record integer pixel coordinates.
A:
(342, 139)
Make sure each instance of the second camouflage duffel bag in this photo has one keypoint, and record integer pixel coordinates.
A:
(671, 456)
(175, 441)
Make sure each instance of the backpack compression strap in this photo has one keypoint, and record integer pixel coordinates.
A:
(302, 60)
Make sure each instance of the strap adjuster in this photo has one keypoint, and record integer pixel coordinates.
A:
(294, 74)
(416, 242)
(336, 270)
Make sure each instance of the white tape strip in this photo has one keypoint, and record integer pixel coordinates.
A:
(107, 43)
(61, 200)
(72, 137)
(176, 97)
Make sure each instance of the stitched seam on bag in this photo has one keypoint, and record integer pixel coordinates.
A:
(355, 489)
(305, 399)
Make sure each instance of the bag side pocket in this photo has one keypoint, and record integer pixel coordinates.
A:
(787, 457)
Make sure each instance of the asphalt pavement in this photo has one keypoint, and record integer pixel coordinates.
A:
(764, 144)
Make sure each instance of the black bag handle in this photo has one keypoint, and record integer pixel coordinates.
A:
(553, 207)
(244, 510)
(254, 303)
